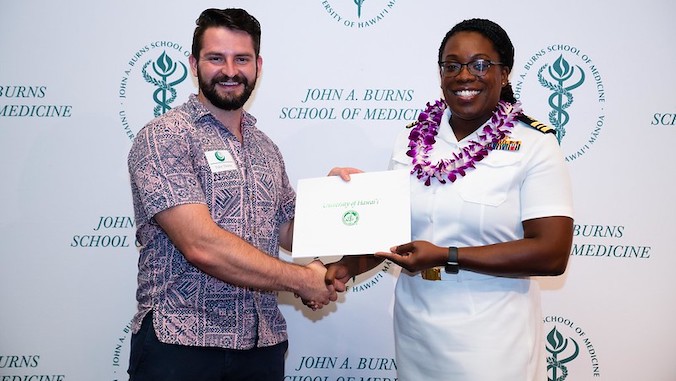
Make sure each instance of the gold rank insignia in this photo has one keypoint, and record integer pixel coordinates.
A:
(536, 124)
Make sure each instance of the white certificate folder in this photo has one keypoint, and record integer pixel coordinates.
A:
(369, 213)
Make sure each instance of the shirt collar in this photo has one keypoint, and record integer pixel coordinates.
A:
(198, 111)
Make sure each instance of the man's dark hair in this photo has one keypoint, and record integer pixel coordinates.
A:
(501, 43)
(231, 18)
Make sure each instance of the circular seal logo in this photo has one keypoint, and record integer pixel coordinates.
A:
(154, 81)
(570, 351)
(563, 82)
(351, 217)
(358, 14)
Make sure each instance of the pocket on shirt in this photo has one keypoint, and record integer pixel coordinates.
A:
(490, 182)
(399, 160)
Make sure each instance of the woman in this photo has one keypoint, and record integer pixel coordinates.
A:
(491, 207)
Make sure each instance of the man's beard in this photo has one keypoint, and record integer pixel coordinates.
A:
(227, 102)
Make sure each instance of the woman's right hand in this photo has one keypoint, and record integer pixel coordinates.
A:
(416, 256)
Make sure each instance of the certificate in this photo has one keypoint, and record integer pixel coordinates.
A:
(369, 213)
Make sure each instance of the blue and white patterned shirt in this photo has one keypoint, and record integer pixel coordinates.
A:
(187, 156)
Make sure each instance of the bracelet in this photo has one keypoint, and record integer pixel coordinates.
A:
(452, 265)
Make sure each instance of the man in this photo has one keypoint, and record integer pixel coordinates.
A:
(213, 204)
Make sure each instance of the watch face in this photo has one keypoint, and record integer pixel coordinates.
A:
(451, 268)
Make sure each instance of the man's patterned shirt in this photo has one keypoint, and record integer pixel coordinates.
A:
(186, 156)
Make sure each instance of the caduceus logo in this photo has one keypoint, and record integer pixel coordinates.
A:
(165, 68)
(359, 4)
(556, 345)
(561, 72)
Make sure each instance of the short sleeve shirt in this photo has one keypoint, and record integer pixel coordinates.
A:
(187, 156)
(524, 180)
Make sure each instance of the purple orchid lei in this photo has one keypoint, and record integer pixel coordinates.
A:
(422, 139)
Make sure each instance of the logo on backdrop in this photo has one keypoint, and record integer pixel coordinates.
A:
(167, 74)
(570, 351)
(574, 95)
(154, 82)
(358, 14)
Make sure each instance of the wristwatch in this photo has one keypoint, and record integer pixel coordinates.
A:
(452, 266)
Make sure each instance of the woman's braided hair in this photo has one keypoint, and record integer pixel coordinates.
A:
(501, 43)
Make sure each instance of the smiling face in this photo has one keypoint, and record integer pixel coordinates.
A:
(472, 99)
(226, 69)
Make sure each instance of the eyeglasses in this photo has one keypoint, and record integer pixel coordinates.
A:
(478, 67)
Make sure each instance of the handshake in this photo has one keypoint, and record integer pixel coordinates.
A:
(326, 282)
(323, 284)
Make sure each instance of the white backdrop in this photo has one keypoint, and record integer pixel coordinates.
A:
(335, 90)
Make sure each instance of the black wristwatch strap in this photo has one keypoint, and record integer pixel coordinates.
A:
(452, 266)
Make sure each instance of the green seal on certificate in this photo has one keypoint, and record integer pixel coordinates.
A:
(351, 217)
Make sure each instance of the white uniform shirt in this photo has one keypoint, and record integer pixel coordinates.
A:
(473, 326)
